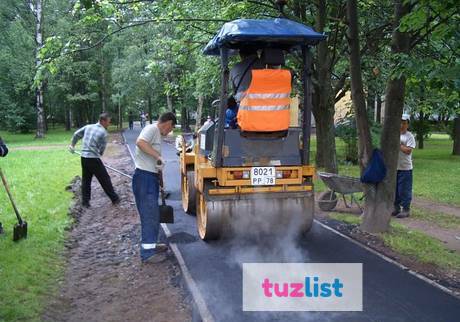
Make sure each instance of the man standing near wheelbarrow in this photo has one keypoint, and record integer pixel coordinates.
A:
(403, 195)
(146, 184)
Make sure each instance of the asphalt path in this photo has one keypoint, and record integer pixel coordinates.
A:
(389, 292)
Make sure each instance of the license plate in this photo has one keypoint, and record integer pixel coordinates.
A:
(263, 176)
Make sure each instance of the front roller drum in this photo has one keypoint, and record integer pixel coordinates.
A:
(188, 192)
(287, 214)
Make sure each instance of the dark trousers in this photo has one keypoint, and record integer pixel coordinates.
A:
(94, 167)
(146, 187)
(403, 195)
(131, 125)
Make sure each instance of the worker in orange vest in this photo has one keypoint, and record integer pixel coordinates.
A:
(240, 75)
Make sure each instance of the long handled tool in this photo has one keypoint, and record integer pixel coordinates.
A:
(166, 212)
(20, 229)
(109, 167)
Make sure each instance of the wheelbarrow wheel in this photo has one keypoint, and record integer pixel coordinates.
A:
(327, 200)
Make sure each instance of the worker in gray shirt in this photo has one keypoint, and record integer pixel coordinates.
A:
(149, 163)
(94, 142)
(403, 195)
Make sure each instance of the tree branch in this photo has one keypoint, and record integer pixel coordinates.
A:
(416, 41)
(121, 3)
(202, 29)
(141, 23)
(340, 83)
(261, 4)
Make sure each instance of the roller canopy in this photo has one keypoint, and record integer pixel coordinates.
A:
(281, 33)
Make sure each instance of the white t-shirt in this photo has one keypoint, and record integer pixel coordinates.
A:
(152, 135)
(405, 160)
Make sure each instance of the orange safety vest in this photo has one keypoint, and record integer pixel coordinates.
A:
(264, 106)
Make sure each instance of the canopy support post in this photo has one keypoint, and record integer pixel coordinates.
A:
(307, 104)
(219, 132)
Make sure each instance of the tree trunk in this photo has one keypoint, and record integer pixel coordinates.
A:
(378, 109)
(370, 104)
(67, 120)
(103, 82)
(184, 118)
(357, 92)
(149, 108)
(379, 200)
(456, 136)
(325, 136)
(199, 111)
(323, 100)
(37, 11)
(420, 134)
(169, 102)
(120, 120)
(46, 113)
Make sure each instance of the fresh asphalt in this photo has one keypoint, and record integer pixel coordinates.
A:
(389, 292)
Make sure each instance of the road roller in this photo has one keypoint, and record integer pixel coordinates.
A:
(256, 174)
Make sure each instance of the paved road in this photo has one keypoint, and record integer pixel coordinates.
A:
(390, 293)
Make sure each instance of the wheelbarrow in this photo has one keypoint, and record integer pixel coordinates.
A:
(338, 184)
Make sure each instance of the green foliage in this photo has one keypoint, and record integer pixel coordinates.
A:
(29, 268)
(346, 130)
(16, 72)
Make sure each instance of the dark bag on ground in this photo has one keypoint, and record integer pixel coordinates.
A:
(376, 170)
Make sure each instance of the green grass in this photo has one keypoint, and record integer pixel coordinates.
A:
(436, 171)
(424, 248)
(408, 242)
(438, 218)
(346, 218)
(29, 268)
(56, 136)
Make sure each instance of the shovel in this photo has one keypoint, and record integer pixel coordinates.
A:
(166, 212)
(20, 229)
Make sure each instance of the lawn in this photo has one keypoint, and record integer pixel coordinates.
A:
(436, 170)
(412, 243)
(30, 268)
(55, 136)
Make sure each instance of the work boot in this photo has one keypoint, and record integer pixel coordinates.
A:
(116, 201)
(85, 204)
(158, 254)
(404, 214)
(160, 248)
(396, 212)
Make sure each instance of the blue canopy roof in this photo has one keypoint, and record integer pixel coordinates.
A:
(278, 31)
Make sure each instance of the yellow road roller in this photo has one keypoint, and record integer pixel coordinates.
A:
(254, 170)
